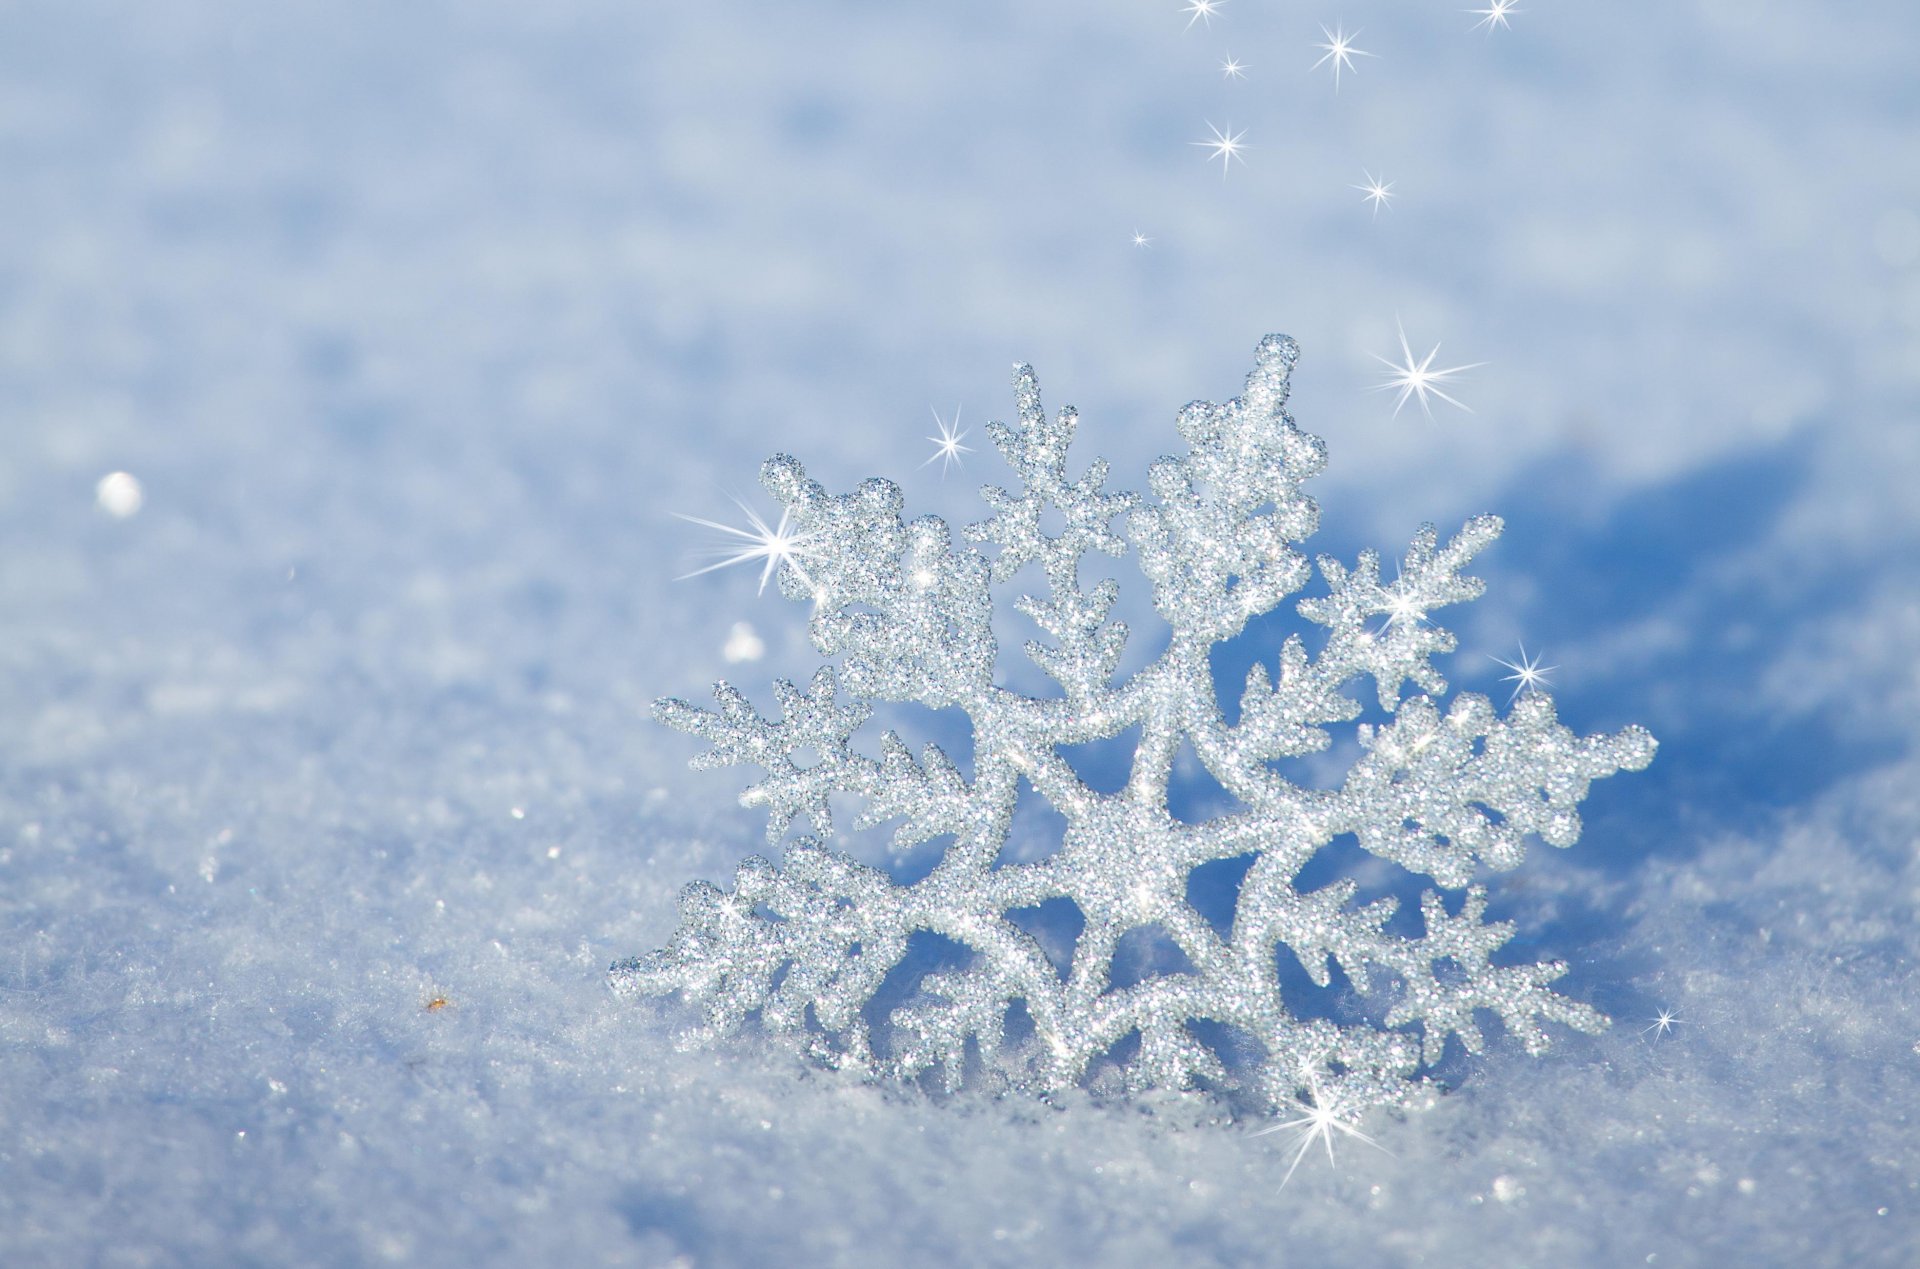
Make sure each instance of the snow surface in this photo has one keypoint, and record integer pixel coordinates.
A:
(413, 323)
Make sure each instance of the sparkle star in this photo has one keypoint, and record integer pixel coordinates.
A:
(1340, 51)
(947, 446)
(1233, 69)
(1379, 193)
(1666, 1022)
(1141, 240)
(783, 544)
(1319, 1122)
(1404, 607)
(1418, 379)
(1202, 10)
(1225, 146)
(1528, 674)
(1495, 15)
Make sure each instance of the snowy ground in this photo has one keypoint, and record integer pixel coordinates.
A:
(415, 322)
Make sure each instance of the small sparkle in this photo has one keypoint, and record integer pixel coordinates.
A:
(1415, 379)
(1141, 240)
(1202, 10)
(1319, 1122)
(1495, 14)
(1340, 51)
(1233, 69)
(1225, 146)
(947, 446)
(1377, 192)
(1404, 607)
(1665, 1022)
(1528, 674)
(782, 544)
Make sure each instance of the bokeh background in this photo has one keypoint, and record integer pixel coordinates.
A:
(327, 784)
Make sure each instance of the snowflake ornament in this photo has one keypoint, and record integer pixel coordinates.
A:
(805, 947)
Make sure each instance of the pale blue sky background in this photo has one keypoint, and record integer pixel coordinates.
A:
(416, 322)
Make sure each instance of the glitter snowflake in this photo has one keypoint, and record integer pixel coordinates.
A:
(831, 954)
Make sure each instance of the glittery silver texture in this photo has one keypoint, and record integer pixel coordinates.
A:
(805, 946)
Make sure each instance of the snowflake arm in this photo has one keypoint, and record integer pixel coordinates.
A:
(833, 925)
(1216, 545)
(1429, 578)
(1444, 1003)
(812, 721)
(1423, 797)
(1086, 649)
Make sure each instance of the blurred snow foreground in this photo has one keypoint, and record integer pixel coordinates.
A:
(823, 951)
